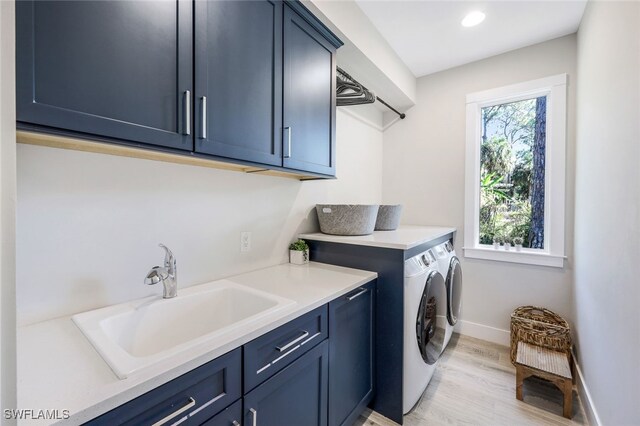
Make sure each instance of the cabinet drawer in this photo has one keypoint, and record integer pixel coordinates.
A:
(198, 395)
(268, 354)
(228, 416)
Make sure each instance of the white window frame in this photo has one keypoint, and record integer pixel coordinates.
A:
(555, 89)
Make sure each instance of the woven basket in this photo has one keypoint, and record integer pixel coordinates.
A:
(540, 327)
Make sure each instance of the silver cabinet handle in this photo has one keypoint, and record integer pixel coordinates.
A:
(287, 145)
(293, 342)
(187, 112)
(203, 118)
(235, 423)
(254, 415)
(360, 293)
(176, 413)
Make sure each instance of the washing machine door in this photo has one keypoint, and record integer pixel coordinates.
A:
(430, 324)
(454, 290)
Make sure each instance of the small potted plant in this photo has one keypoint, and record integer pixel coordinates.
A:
(517, 241)
(299, 252)
(507, 244)
(496, 242)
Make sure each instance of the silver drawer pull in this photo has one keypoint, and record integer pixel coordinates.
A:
(311, 338)
(287, 144)
(360, 293)
(203, 118)
(286, 354)
(176, 413)
(254, 414)
(235, 423)
(187, 112)
(293, 342)
(206, 404)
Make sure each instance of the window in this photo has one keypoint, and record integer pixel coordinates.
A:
(515, 173)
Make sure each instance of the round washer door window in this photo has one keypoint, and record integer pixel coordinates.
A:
(430, 324)
(454, 290)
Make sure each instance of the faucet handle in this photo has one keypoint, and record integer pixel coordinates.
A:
(169, 259)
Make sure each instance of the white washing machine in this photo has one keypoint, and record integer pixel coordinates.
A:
(424, 325)
(449, 267)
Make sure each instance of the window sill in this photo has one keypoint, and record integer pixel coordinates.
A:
(525, 256)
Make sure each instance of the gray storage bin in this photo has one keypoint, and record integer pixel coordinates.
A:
(388, 217)
(347, 219)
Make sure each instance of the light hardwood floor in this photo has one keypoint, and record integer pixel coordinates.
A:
(475, 384)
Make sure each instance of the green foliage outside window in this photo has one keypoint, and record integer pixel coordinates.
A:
(512, 172)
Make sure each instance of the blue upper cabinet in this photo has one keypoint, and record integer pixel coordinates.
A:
(238, 63)
(309, 122)
(251, 82)
(115, 69)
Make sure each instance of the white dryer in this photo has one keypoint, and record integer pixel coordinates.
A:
(424, 325)
(449, 266)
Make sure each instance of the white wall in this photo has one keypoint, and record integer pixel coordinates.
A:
(423, 169)
(607, 226)
(7, 208)
(89, 224)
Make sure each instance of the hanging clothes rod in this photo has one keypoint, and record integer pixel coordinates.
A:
(401, 114)
(351, 92)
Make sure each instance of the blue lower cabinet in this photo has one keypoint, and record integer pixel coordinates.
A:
(194, 396)
(308, 380)
(296, 395)
(351, 352)
(231, 416)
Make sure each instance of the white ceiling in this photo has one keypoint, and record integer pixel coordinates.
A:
(428, 36)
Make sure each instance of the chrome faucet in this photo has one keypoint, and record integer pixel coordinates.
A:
(167, 274)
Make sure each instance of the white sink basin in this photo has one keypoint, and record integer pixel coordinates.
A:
(134, 335)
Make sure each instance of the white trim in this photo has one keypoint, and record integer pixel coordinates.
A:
(483, 332)
(585, 397)
(514, 92)
(555, 89)
(526, 256)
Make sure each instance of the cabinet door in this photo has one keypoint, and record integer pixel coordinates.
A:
(351, 346)
(309, 97)
(238, 60)
(295, 396)
(115, 69)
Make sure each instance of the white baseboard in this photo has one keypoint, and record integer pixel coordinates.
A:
(483, 332)
(585, 398)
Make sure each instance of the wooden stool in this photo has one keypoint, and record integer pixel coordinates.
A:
(550, 365)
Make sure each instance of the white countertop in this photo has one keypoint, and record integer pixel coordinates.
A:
(59, 369)
(403, 238)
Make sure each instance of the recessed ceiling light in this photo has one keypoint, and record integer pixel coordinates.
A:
(473, 18)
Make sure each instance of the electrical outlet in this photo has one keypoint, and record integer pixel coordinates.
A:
(245, 241)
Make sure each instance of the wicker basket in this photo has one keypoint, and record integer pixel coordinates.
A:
(540, 327)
